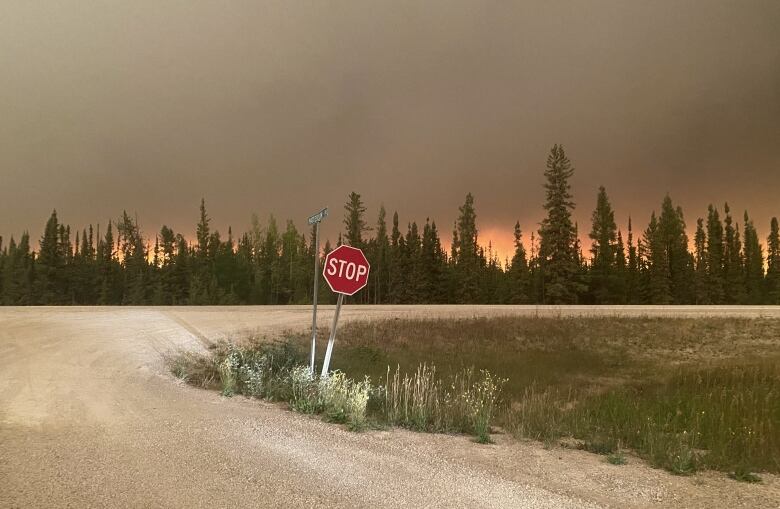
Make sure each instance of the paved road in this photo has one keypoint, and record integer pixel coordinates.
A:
(89, 417)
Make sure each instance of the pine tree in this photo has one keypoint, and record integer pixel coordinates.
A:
(773, 263)
(203, 231)
(619, 289)
(716, 283)
(558, 255)
(379, 265)
(395, 276)
(701, 287)
(465, 254)
(51, 283)
(603, 272)
(18, 273)
(754, 264)
(431, 266)
(674, 242)
(354, 221)
(268, 265)
(518, 274)
(134, 260)
(658, 279)
(632, 270)
(733, 266)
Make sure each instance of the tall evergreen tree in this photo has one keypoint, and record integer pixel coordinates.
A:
(558, 255)
(518, 274)
(604, 277)
(701, 286)
(773, 264)
(733, 266)
(715, 258)
(380, 263)
(395, 276)
(52, 257)
(754, 264)
(134, 260)
(674, 242)
(354, 221)
(18, 273)
(465, 254)
(632, 269)
(658, 281)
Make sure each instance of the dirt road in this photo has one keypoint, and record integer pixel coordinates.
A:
(89, 417)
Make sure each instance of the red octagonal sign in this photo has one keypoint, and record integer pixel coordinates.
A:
(346, 270)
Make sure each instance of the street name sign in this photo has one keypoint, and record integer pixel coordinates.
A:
(319, 216)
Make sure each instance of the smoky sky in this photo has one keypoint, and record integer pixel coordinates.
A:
(284, 107)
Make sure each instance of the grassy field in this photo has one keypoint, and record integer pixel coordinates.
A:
(685, 394)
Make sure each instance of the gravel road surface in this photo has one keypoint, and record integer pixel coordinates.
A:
(90, 417)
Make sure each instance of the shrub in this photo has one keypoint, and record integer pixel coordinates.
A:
(616, 458)
(345, 400)
(228, 371)
(304, 391)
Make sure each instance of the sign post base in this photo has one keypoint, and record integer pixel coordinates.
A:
(332, 339)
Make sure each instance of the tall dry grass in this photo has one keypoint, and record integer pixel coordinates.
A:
(463, 402)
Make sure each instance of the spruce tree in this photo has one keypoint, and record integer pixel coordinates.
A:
(632, 270)
(268, 270)
(716, 284)
(354, 221)
(466, 254)
(518, 273)
(558, 255)
(203, 231)
(134, 261)
(701, 287)
(773, 263)
(674, 242)
(51, 283)
(754, 264)
(603, 272)
(395, 276)
(658, 281)
(379, 266)
(18, 273)
(620, 295)
(733, 266)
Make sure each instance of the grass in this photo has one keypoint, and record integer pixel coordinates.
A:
(684, 394)
(465, 402)
(421, 400)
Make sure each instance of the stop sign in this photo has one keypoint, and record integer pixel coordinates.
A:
(346, 270)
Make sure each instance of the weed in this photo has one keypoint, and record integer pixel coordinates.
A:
(742, 475)
(616, 458)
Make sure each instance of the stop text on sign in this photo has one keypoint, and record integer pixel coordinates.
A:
(343, 268)
(346, 270)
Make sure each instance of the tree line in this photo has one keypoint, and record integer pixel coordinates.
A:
(269, 264)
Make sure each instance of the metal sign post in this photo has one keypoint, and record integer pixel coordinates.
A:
(346, 272)
(316, 219)
(332, 339)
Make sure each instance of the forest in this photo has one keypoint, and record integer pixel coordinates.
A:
(725, 263)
